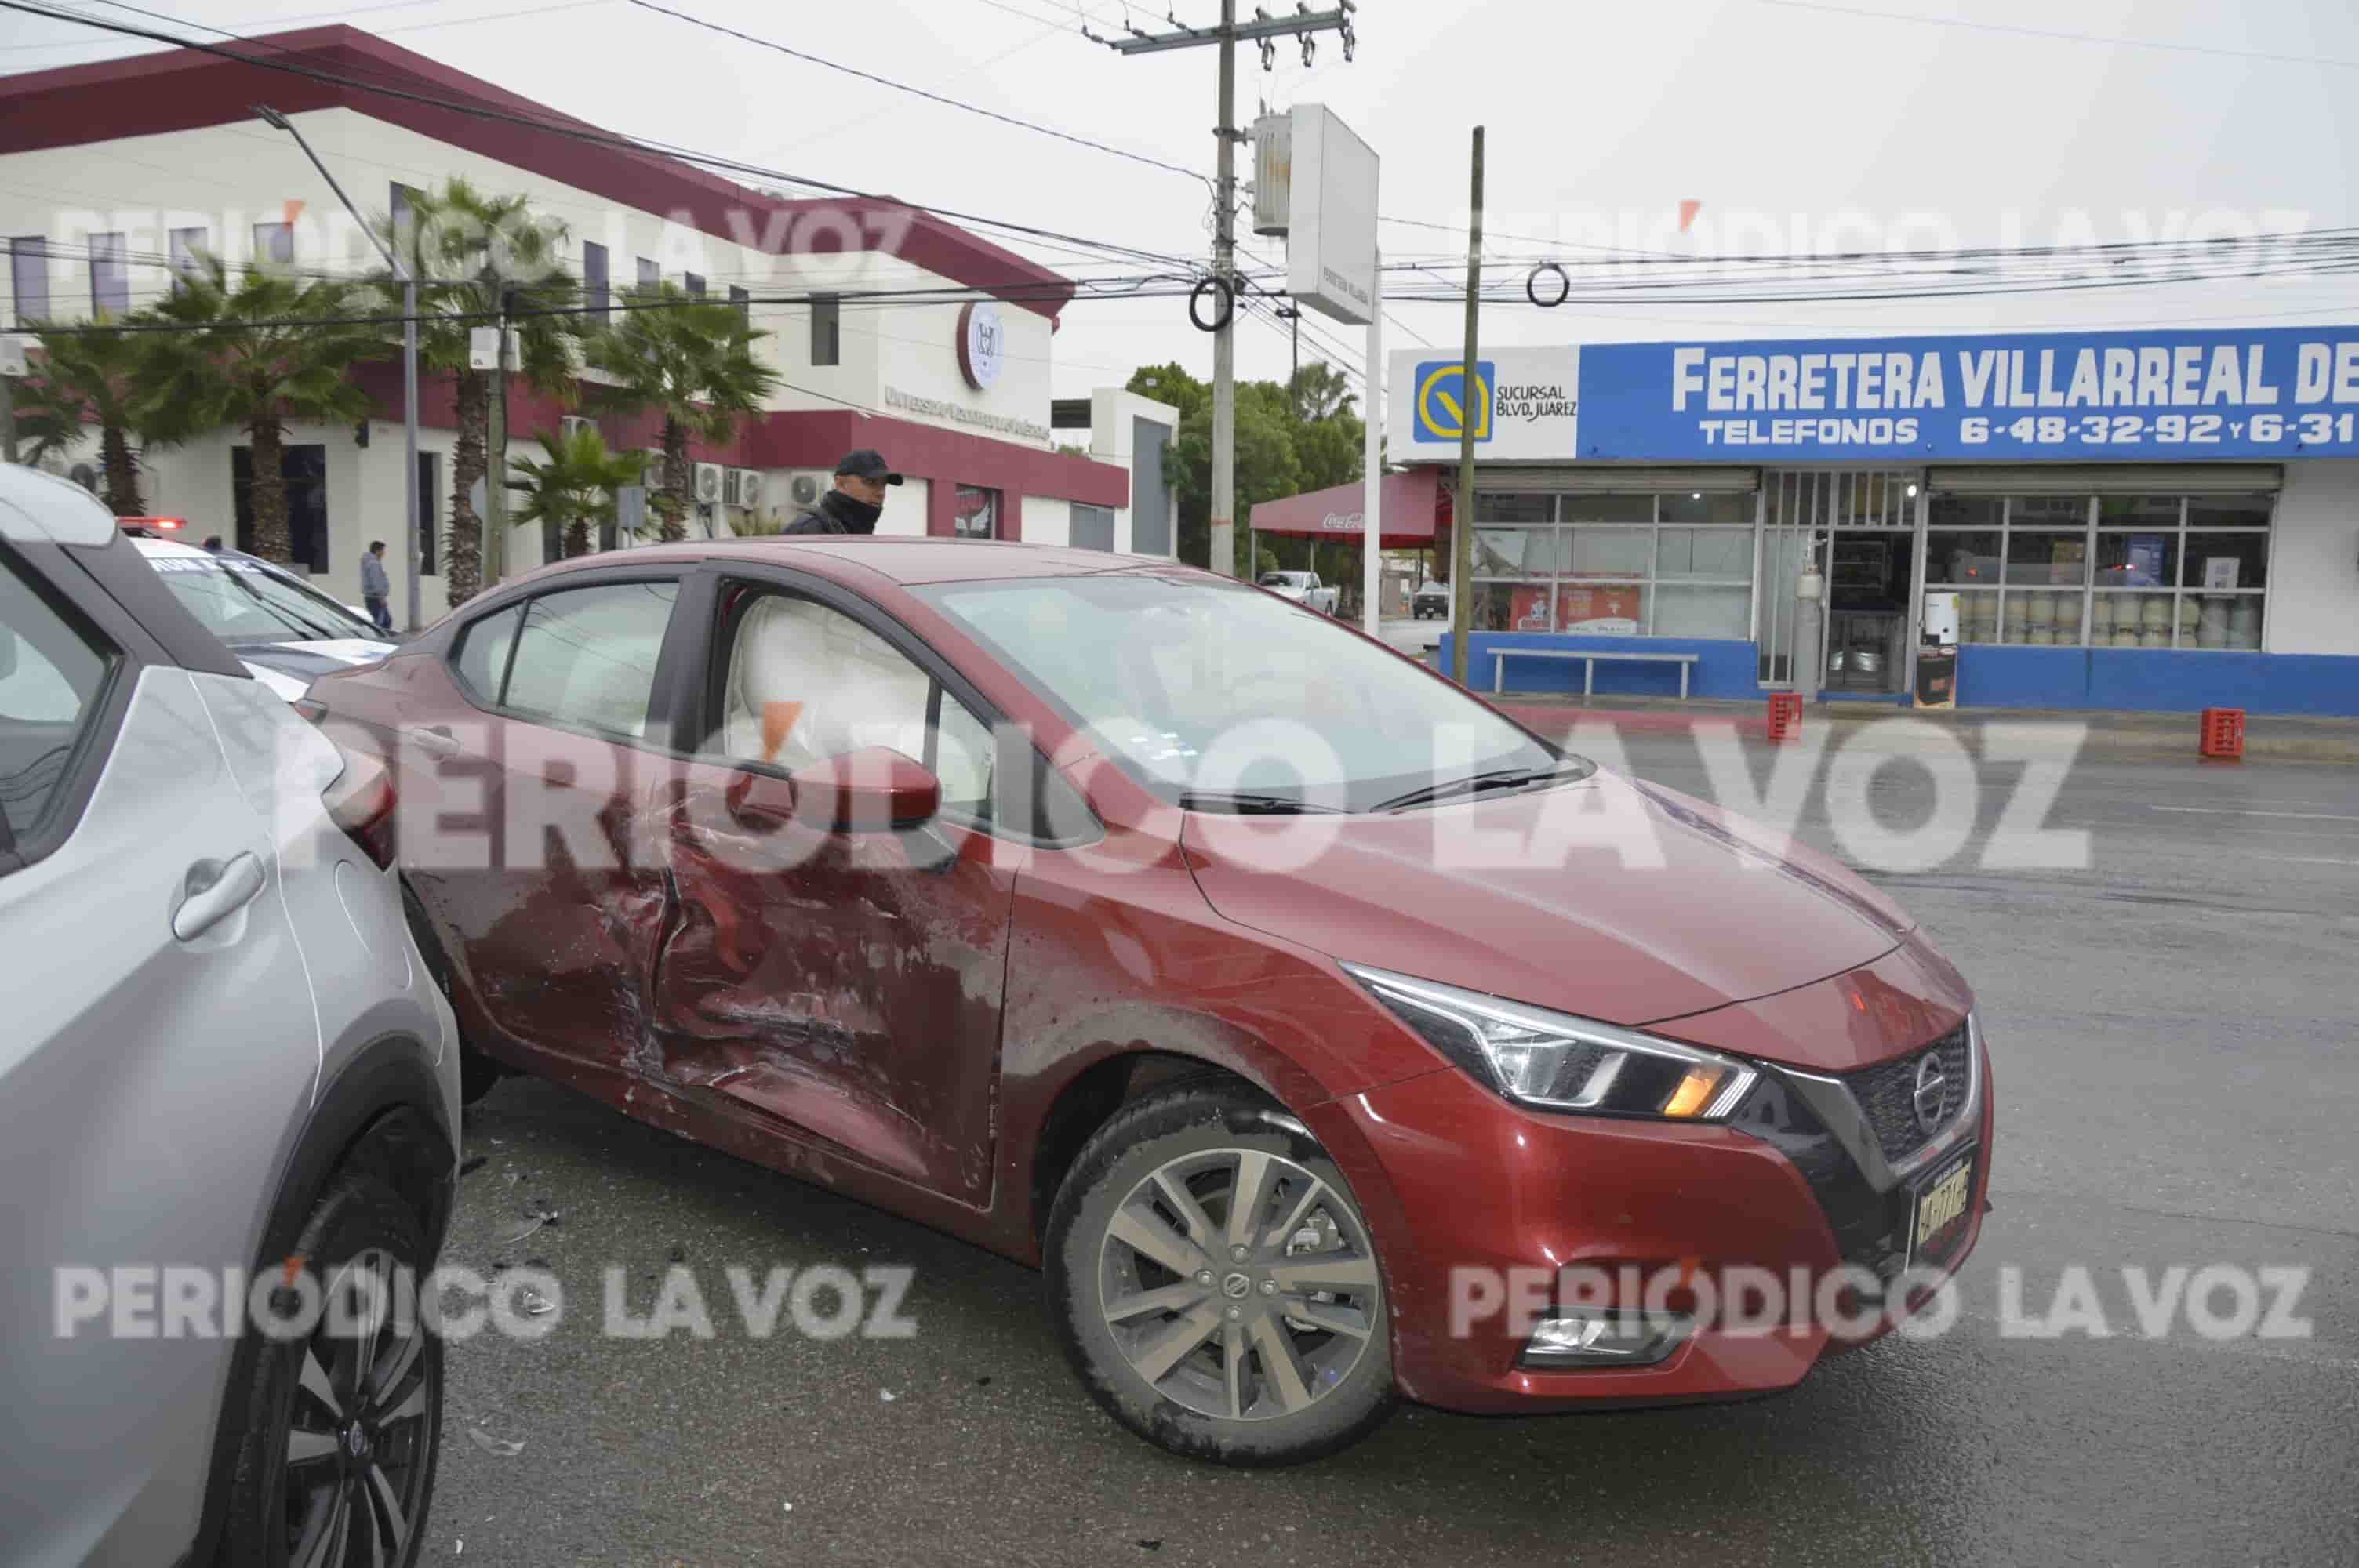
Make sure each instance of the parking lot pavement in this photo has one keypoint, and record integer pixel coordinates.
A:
(2176, 1071)
(1411, 635)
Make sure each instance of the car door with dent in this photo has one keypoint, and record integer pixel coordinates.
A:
(844, 985)
(531, 758)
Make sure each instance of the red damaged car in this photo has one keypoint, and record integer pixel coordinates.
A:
(1326, 1037)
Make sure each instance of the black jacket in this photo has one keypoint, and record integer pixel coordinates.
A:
(825, 519)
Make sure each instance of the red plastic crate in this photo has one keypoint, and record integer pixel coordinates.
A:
(2224, 734)
(1785, 715)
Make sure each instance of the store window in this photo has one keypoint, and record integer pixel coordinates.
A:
(1670, 564)
(975, 512)
(430, 503)
(29, 279)
(109, 277)
(2113, 571)
(187, 248)
(826, 329)
(596, 299)
(273, 245)
(303, 471)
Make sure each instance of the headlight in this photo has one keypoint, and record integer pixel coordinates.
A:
(1560, 1062)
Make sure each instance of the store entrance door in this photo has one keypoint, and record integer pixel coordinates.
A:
(1861, 528)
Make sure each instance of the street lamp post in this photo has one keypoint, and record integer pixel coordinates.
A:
(409, 279)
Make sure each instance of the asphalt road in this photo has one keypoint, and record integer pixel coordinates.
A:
(2178, 1082)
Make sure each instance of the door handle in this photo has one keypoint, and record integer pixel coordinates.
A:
(214, 893)
(435, 737)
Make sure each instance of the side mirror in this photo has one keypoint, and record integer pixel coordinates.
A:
(871, 790)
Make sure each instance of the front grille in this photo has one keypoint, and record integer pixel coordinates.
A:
(1887, 1095)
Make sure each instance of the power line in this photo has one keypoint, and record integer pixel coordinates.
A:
(2058, 34)
(324, 15)
(1517, 298)
(574, 130)
(919, 92)
(1149, 288)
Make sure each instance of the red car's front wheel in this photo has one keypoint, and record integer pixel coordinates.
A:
(1215, 1284)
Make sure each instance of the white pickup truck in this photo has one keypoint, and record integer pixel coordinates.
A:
(1303, 588)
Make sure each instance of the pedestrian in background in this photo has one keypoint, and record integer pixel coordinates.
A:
(376, 588)
(856, 502)
(212, 543)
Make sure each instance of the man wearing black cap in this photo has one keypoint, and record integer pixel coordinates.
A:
(857, 500)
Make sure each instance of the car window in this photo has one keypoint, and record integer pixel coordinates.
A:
(587, 656)
(482, 661)
(50, 678)
(1165, 674)
(805, 683)
(243, 601)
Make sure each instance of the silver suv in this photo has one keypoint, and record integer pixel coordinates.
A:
(229, 1095)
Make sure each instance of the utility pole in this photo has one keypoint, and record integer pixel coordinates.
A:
(9, 410)
(495, 471)
(1472, 397)
(1264, 28)
(1224, 550)
(409, 279)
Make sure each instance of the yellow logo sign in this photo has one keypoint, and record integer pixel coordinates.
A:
(1442, 400)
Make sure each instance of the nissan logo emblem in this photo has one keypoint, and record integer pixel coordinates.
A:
(1932, 1092)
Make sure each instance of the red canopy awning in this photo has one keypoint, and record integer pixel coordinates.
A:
(1408, 506)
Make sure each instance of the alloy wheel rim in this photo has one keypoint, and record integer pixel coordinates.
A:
(1239, 1284)
(359, 1428)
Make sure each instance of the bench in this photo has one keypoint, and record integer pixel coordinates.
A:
(1499, 657)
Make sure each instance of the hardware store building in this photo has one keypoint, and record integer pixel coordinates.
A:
(2130, 519)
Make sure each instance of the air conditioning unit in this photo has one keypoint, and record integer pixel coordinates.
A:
(572, 425)
(743, 488)
(805, 489)
(709, 484)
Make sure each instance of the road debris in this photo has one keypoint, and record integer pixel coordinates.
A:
(503, 1446)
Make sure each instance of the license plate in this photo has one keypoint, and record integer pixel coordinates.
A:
(1942, 1209)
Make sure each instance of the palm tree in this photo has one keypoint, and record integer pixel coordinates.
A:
(467, 249)
(260, 351)
(574, 487)
(97, 375)
(691, 361)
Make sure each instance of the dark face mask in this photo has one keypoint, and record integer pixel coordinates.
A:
(857, 516)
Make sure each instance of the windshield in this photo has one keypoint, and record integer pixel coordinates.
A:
(1280, 580)
(243, 601)
(1193, 687)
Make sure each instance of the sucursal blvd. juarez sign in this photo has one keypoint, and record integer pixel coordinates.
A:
(2083, 398)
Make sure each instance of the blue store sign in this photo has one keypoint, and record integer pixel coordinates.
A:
(2116, 396)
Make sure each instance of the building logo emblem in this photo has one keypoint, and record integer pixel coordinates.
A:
(980, 344)
(1443, 403)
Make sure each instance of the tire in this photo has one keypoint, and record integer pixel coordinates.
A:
(1275, 1368)
(477, 1074)
(477, 1071)
(340, 1428)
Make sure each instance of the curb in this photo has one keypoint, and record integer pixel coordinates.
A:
(2047, 737)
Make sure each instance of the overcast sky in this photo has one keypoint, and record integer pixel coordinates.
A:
(1970, 117)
